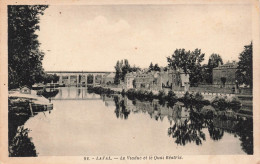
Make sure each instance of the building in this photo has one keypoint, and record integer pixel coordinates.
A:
(129, 80)
(109, 79)
(156, 80)
(225, 75)
(148, 81)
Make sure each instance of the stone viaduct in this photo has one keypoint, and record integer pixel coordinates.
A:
(79, 78)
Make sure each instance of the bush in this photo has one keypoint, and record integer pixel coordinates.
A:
(171, 97)
(21, 145)
(161, 95)
(220, 103)
(100, 90)
(198, 97)
(151, 95)
(123, 92)
(235, 104)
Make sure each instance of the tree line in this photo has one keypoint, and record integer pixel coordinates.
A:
(190, 63)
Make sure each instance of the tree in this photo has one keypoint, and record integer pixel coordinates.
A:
(223, 80)
(122, 68)
(156, 67)
(90, 79)
(214, 61)
(125, 68)
(24, 56)
(244, 71)
(205, 73)
(135, 69)
(150, 67)
(189, 61)
(118, 73)
(47, 78)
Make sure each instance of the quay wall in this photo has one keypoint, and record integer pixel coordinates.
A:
(207, 95)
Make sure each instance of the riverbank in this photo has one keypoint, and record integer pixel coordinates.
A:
(23, 104)
(221, 102)
(20, 145)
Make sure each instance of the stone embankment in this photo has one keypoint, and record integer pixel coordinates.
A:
(207, 95)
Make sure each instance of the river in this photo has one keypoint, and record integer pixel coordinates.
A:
(84, 124)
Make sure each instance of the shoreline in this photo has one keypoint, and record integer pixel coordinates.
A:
(222, 102)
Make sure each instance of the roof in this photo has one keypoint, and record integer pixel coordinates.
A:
(111, 75)
(228, 65)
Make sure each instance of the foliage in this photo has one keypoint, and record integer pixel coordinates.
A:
(100, 90)
(125, 68)
(188, 131)
(235, 104)
(153, 67)
(161, 95)
(118, 68)
(134, 69)
(244, 71)
(220, 103)
(171, 97)
(223, 80)
(214, 61)
(122, 68)
(21, 145)
(244, 129)
(121, 110)
(215, 133)
(90, 79)
(189, 61)
(47, 78)
(156, 67)
(198, 97)
(24, 56)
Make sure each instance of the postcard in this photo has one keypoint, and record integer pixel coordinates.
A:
(129, 81)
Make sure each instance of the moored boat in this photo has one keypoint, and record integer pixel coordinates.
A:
(38, 86)
(25, 101)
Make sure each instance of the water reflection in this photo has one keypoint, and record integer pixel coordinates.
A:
(121, 111)
(118, 125)
(75, 93)
(187, 122)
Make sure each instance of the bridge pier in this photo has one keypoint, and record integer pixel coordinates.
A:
(77, 84)
(94, 80)
(69, 80)
(60, 79)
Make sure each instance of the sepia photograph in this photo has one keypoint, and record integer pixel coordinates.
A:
(130, 82)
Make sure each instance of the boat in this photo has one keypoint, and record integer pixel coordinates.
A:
(38, 86)
(26, 100)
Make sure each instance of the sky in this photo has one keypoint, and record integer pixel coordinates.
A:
(93, 38)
